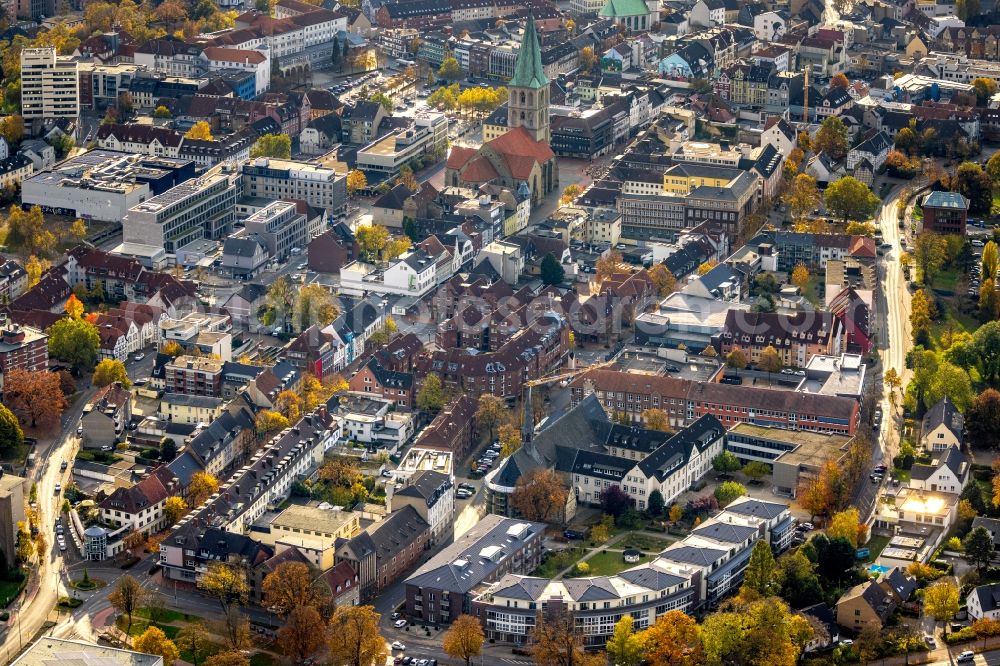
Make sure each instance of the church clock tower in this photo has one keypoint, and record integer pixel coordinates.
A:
(528, 90)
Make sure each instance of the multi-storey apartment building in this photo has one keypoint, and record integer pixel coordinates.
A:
(685, 400)
(281, 227)
(24, 348)
(272, 178)
(193, 376)
(695, 573)
(443, 588)
(50, 87)
(796, 337)
(200, 208)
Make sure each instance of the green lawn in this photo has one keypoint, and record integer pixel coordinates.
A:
(166, 615)
(644, 543)
(9, 589)
(558, 561)
(608, 563)
(811, 291)
(918, 213)
(139, 626)
(875, 546)
(953, 319)
(947, 280)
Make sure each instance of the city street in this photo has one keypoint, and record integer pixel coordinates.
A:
(894, 338)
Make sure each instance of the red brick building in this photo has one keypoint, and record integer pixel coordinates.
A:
(945, 213)
(374, 379)
(453, 429)
(193, 376)
(23, 347)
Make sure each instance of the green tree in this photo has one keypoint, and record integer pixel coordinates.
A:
(800, 586)
(625, 647)
(993, 168)
(552, 270)
(656, 504)
(987, 342)
(850, 199)
(726, 462)
(760, 572)
(384, 100)
(728, 491)
(978, 546)
(11, 435)
(450, 70)
(75, 341)
(952, 382)
(756, 470)
(974, 184)
(929, 253)
(272, 145)
(831, 138)
(430, 397)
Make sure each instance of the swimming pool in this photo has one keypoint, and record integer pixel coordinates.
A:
(878, 569)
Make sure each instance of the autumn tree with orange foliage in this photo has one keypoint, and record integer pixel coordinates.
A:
(539, 495)
(556, 641)
(674, 639)
(35, 397)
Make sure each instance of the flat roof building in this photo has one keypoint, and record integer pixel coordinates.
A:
(200, 208)
(794, 454)
(49, 85)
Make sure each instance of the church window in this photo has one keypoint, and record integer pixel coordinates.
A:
(522, 113)
(522, 100)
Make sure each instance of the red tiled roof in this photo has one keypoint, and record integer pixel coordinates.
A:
(479, 170)
(459, 156)
(521, 151)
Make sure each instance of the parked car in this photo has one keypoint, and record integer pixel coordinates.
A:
(58, 488)
(572, 534)
(399, 624)
(966, 657)
(397, 645)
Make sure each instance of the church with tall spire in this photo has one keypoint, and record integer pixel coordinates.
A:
(522, 154)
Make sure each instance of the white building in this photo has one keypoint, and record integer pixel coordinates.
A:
(319, 186)
(432, 495)
(984, 602)
(50, 87)
(413, 274)
(428, 136)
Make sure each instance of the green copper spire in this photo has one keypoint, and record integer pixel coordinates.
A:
(528, 72)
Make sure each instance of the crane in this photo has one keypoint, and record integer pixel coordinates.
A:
(528, 423)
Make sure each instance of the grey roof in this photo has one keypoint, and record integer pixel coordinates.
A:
(693, 555)
(242, 247)
(521, 587)
(992, 525)
(573, 460)
(461, 566)
(758, 508)
(651, 578)
(427, 485)
(726, 532)
(989, 596)
(944, 412)
(946, 200)
(899, 582)
(184, 466)
(385, 538)
(675, 453)
(203, 401)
